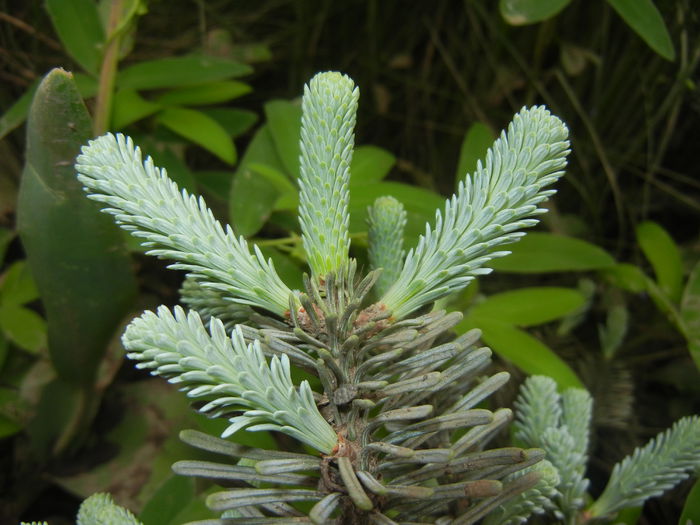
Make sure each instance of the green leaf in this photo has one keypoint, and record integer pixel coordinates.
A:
(664, 256)
(690, 314)
(476, 143)
(173, 496)
(529, 306)
(17, 286)
(522, 12)
(200, 129)
(234, 121)
(87, 85)
(216, 183)
(17, 112)
(546, 252)
(628, 277)
(370, 164)
(529, 354)
(644, 18)
(691, 509)
(261, 151)
(252, 201)
(287, 268)
(76, 254)
(8, 427)
(284, 123)
(212, 93)
(78, 25)
(172, 72)
(23, 327)
(166, 157)
(129, 107)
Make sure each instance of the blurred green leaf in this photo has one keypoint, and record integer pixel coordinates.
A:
(16, 114)
(78, 25)
(165, 73)
(200, 129)
(252, 202)
(545, 252)
(284, 124)
(261, 151)
(628, 277)
(478, 139)
(664, 256)
(370, 164)
(8, 427)
(129, 107)
(644, 18)
(526, 352)
(690, 313)
(528, 306)
(211, 93)
(23, 327)
(691, 509)
(87, 85)
(17, 285)
(76, 254)
(234, 121)
(215, 182)
(613, 333)
(4, 349)
(522, 12)
(170, 500)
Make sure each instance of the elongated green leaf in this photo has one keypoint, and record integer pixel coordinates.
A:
(691, 510)
(529, 306)
(644, 18)
(546, 252)
(200, 129)
(17, 112)
(76, 254)
(627, 276)
(529, 354)
(522, 12)
(179, 71)
(78, 25)
(212, 93)
(664, 256)
(370, 164)
(261, 151)
(476, 143)
(690, 313)
(129, 107)
(234, 121)
(284, 124)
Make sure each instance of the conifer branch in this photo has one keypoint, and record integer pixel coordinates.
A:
(176, 225)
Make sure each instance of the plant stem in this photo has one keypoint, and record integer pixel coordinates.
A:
(108, 71)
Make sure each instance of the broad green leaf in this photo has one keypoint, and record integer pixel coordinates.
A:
(262, 151)
(370, 164)
(129, 107)
(173, 496)
(546, 252)
(529, 306)
(215, 182)
(17, 285)
(17, 112)
(691, 509)
(23, 327)
(690, 313)
(478, 139)
(644, 18)
(87, 85)
(664, 256)
(234, 121)
(78, 25)
(522, 12)
(284, 123)
(212, 93)
(527, 353)
(76, 254)
(200, 129)
(253, 198)
(165, 73)
(4, 350)
(628, 277)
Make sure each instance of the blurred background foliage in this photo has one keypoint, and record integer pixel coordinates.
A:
(605, 295)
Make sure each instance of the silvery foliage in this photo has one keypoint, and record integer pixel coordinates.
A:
(396, 425)
(560, 424)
